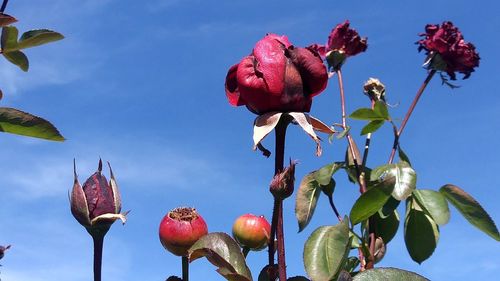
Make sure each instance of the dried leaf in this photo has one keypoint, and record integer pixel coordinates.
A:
(304, 121)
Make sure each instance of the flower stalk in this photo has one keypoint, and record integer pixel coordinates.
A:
(277, 219)
(408, 114)
(185, 269)
(98, 245)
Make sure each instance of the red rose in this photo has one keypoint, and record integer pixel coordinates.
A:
(343, 42)
(447, 41)
(276, 76)
(347, 40)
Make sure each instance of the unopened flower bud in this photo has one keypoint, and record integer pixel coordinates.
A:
(379, 249)
(374, 89)
(282, 184)
(97, 205)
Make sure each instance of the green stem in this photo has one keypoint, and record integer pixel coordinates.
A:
(408, 114)
(185, 269)
(98, 245)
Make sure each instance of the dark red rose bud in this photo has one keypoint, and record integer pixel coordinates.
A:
(3, 249)
(180, 229)
(282, 185)
(97, 205)
(252, 231)
(447, 50)
(276, 77)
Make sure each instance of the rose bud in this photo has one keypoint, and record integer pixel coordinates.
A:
(343, 42)
(447, 50)
(282, 184)
(252, 231)
(180, 229)
(276, 76)
(374, 89)
(97, 205)
(3, 249)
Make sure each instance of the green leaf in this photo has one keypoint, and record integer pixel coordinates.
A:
(18, 58)
(434, 203)
(372, 127)
(306, 200)
(470, 209)
(297, 278)
(325, 251)
(9, 39)
(388, 274)
(401, 174)
(403, 156)
(324, 175)
(421, 235)
(351, 264)
(389, 207)
(344, 132)
(387, 227)
(38, 37)
(21, 123)
(225, 253)
(264, 273)
(369, 203)
(6, 19)
(366, 114)
(380, 109)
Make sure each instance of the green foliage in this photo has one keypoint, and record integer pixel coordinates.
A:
(370, 202)
(388, 274)
(38, 37)
(18, 58)
(225, 253)
(11, 46)
(470, 209)
(401, 175)
(421, 233)
(325, 251)
(21, 123)
(386, 227)
(310, 189)
(434, 204)
(372, 126)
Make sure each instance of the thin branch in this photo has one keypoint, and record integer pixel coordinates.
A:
(408, 114)
(4, 5)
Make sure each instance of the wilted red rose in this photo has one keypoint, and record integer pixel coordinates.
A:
(347, 40)
(342, 42)
(447, 41)
(276, 76)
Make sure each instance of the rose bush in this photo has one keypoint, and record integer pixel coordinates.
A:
(276, 76)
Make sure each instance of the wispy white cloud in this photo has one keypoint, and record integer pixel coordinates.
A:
(150, 165)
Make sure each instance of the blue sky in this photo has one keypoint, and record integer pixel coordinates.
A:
(141, 84)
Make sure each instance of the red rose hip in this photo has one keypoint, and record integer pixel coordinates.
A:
(252, 231)
(180, 229)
